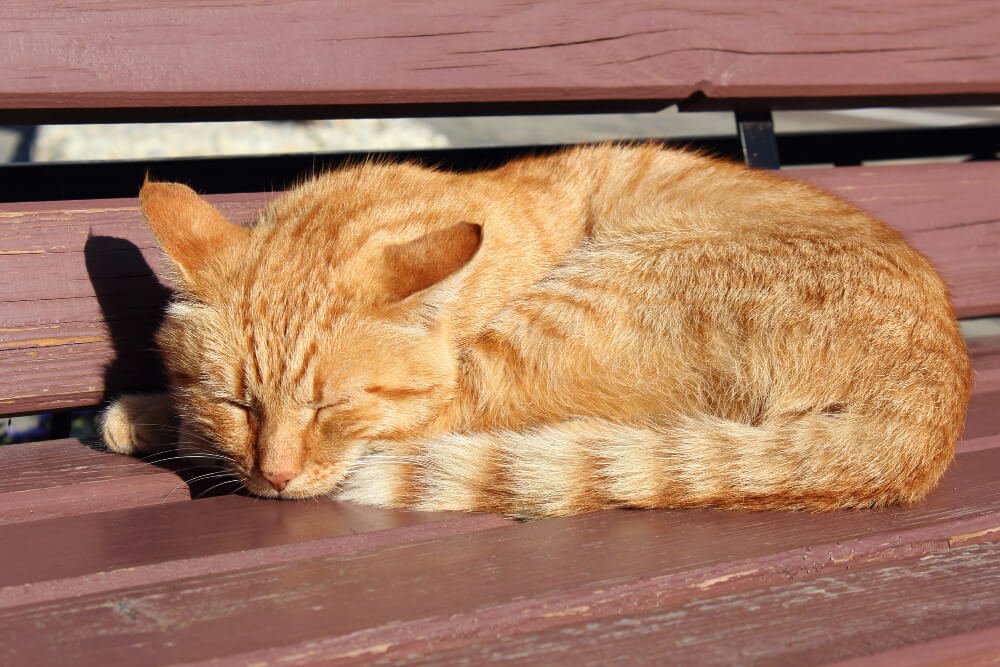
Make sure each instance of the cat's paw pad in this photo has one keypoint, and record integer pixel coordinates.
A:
(138, 425)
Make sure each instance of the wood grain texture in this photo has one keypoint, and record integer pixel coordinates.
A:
(81, 282)
(453, 592)
(181, 59)
(82, 291)
(67, 478)
(161, 543)
(970, 649)
(982, 422)
(950, 212)
(986, 353)
(797, 624)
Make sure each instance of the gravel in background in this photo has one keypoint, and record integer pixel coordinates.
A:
(167, 140)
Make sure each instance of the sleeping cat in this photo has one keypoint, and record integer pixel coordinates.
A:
(609, 326)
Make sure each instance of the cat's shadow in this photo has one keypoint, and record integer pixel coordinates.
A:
(133, 301)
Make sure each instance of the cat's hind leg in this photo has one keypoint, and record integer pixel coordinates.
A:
(139, 424)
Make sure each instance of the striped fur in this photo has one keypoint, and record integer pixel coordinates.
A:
(614, 326)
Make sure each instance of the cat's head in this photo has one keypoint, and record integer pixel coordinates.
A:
(295, 344)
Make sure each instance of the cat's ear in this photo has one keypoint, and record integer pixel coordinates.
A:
(189, 229)
(418, 264)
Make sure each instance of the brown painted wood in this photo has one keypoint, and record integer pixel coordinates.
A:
(79, 296)
(180, 60)
(971, 649)
(458, 590)
(801, 623)
(98, 564)
(986, 356)
(158, 543)
(982, 422)
(951, 212)
(66, 478)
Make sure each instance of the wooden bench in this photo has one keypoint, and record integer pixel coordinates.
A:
(109, 560)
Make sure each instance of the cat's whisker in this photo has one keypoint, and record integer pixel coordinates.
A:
(173, 453)
(210, 475)
(157, 427)
(191, 440)
(204, 447)
(215, 462)
(193, 436)
(209, 455)
(189, 482)
(189, 445)
(196, 439)
(223, 483)
(196, 435)
(204, 456)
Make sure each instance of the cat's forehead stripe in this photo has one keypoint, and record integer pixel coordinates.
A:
(304, 363)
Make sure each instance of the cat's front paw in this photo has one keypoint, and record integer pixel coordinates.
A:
(139, 424)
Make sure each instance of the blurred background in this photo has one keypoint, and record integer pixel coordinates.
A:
(160, 140)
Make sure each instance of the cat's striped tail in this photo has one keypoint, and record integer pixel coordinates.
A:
(812, 461)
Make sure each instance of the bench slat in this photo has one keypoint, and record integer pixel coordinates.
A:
(56, 351)
(982, 421)
(986, 353)
(65, 478)
(970, 649)
(232, 58)
(530, 576)
(951, 212)
(806, 622)
(160, 543)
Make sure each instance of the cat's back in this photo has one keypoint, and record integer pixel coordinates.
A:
(697, 268)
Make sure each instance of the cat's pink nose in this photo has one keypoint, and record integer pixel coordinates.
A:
(279, 479)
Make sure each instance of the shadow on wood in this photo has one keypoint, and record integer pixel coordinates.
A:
(132, 301)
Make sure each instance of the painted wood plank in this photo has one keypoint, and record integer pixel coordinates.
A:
(982, 422)
(66, 478)
(950, 212)
(158, 543)
(801, 623)
(970, 649)
(490, 583)
(80, 292)
(986, 356)
(184, 59)
(82, 298)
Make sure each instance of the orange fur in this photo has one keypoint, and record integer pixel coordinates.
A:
(606, 326)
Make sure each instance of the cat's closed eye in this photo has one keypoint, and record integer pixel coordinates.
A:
(320, 408)
(400, 392)
(239, 405)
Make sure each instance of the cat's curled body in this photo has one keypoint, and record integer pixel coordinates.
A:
(603, 327)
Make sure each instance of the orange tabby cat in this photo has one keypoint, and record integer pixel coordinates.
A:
(604, 327)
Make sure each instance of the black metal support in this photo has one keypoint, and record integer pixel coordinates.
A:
(26, 135)
(61, 424)
(758, 143)
(47, 181)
